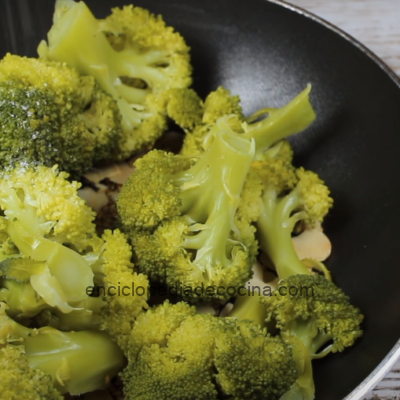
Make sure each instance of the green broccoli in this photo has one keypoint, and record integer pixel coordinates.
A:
(177, 354)
(132, 54)
(306, 323)
(51, 258)
(185, 220)
(314, 317)
(19, 381)
(167, 317)
(46, 231)
(116, 269)
(77, 362)
(289, 196)
(222, 111)
(108, 308)
(251, 364)
(50, 115)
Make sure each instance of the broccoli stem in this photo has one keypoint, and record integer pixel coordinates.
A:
(281, 122)
(79, 362)
(76, 38)
(210, 193)
(249, 308)
(303, 388)
(275, 226)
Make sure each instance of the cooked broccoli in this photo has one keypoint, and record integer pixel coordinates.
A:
(166, 317)
(118, 294)
(19, 381)
(46, 230)
(77, 362)
(251, 364)
(52, 262)
(176, 354)
(290, 196)
(222, 111)
(51, 115)
(185, 220)
(51, 257)
(116, 269)
(311, 313)
(132, 54)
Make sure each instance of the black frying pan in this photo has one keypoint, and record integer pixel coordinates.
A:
(267, 53)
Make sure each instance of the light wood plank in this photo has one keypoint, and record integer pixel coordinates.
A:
(375, 23)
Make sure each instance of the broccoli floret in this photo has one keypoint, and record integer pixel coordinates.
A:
(217, 105)
(78, 362)
(222, 111)
(51, 115)
(182, 218)
(121, 311)
(117, 295)
(51, 230)
(19, 381)
(180, 370)
(311, 313)
(251, 364)
(184, 107)
(103, 119)
(282, 150)
(289, 196)
(176, 354)
(167, 317)
(132, 54)
(220, 103)
(317, 314)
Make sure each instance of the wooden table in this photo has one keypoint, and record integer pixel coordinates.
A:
(376, 24)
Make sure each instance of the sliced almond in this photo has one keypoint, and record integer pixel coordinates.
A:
(95, 200)
(312, 243)
(206, 309)
(125, 171)
(226, 310)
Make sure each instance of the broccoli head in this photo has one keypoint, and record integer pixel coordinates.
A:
(177, 354)
(116, 269)
(19, 381)
(182, 216)
(117, 295)
(182, 369)
(251, 364)
(46, 230)
(314, 317)
(50, 115)
(166, 317)
(315, 311)
(289, 196)
(77, 362)
(51, 260)
(132, 54)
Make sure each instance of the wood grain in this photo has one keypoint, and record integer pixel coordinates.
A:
(376, 24)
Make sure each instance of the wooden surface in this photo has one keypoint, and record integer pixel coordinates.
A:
(376, 24)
